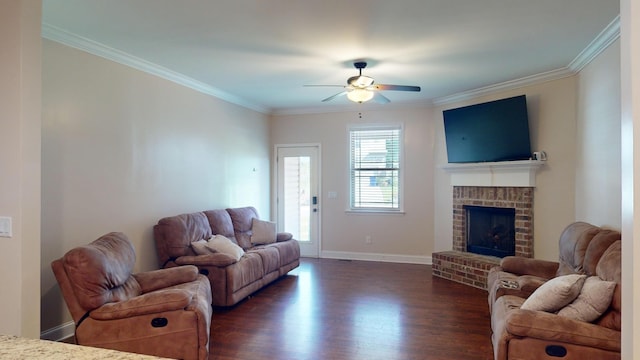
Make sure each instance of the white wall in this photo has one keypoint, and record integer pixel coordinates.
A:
(598, 192)
(552, 122)
(402, 237)
(122, 149)
(630, 168)
(20, 166)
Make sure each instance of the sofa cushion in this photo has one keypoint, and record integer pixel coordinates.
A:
(220, 223)
(219, 243)
(593, 300)
(609, 268)
(598, 245)
(242, 219)
(263, 232)
(289, 251)
(283, 236)
(247, 270)
(555, 293)
(100, 272)
(174, 235)
(270, 258)
(573, 243)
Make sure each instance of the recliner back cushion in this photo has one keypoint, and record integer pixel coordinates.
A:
(174, 235)
(574, 241)
(610, 269)
(598, 245)
(242, 219)
(220, 223)
(100, 272)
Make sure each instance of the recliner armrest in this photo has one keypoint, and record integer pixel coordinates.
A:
(164, 278)
(283, 236)
(546, 326)
(527, 266)
(215, 259)
(150, 303)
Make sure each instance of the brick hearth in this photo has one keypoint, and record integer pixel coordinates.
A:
(471, 269)
(463, 267)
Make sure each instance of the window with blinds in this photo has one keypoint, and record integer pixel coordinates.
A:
(375, 168)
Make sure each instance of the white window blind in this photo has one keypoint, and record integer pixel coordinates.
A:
(375, 168)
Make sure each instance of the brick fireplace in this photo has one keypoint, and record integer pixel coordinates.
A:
(518, 198)
(512, 188)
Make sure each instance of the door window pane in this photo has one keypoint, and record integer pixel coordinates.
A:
(297, 197)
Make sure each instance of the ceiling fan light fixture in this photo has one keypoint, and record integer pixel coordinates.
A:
(360, 81)
(360, 88)
(360, 95)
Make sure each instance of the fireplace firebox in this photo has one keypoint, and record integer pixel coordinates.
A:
(490, 230)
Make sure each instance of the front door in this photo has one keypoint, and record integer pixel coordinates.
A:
(298, 201)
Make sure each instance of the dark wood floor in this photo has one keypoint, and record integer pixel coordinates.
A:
(333, 309)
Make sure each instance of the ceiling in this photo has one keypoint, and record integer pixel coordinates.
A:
(261, 53)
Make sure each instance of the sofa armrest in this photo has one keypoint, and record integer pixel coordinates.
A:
(150, 303)
(546, 326)
(522, 286)
(164, 278)
(215, 259)
(283, 236)
(527, 266)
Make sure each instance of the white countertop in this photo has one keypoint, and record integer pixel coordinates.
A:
(12, 347)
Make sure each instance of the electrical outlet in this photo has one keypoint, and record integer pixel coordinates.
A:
(367, 239)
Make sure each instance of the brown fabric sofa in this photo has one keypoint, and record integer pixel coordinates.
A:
(231, 280)
(164, 312)
(528, 334)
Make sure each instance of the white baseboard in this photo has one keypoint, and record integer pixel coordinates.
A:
(407, 259)
(59, 332)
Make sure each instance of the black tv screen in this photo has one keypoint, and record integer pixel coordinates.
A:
(491, 131)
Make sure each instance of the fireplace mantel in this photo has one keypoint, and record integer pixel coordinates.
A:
(504, 173)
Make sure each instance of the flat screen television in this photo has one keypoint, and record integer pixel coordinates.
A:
(492, 131)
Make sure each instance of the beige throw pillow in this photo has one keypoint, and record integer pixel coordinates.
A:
(221, 244)
(263, 232)
(555, 293)
(593, 300)
(200, 247)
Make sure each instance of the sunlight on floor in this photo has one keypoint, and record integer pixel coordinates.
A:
(301, 323)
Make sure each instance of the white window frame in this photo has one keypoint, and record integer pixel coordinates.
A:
(389, 210)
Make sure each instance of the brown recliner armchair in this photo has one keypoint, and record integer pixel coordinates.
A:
(164, 312)
(518, 333)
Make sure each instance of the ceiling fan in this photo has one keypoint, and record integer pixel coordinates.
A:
(361, 88)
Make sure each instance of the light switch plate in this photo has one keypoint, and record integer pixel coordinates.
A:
(5, 226)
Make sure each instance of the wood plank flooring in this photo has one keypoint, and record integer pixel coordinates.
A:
(334, 309)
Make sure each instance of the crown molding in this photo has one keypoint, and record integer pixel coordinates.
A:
(607, 36)
(56, 34)
(507, 85)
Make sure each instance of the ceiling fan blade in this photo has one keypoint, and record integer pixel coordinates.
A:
(395, 87)
(380, 99)
(324, 86)
(335, 96)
